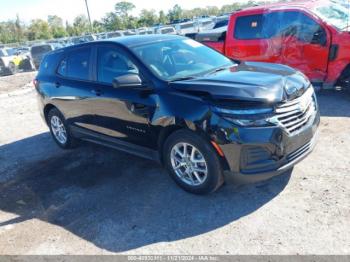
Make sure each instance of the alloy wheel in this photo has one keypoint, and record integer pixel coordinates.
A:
(189, 164)
(58, 129)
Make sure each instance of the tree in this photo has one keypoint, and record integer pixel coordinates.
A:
(162, 18)
(38, 29)
(81, 25)
(123, 8)
(69, 29)
(19, 32)
(175, 13)
(112, 22)
(147, 17)
(56, 26)
(98, 26)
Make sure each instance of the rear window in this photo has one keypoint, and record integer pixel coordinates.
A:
(167, 30)
(248, 27)
(41, 49)
(185, 26)
(76, 65)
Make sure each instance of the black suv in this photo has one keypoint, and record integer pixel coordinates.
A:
(171, 99)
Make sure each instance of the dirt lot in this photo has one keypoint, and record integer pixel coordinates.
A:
(93, 200)
(16, 82)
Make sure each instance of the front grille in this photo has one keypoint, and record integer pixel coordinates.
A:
(294, 115)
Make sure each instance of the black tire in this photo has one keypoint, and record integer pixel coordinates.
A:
(11, 68)
(214, 177)
(71, 141)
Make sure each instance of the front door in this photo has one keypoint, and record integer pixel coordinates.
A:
(305, 44)
(122, 113)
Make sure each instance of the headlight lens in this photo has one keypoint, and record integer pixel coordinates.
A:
(245, 117)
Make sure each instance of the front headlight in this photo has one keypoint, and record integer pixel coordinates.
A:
(245, 117)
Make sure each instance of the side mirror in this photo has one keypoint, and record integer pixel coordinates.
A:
(319, 38)
(128, 80)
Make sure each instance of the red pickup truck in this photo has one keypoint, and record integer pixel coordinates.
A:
(311, 36)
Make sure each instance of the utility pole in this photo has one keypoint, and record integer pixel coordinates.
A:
(88, 12)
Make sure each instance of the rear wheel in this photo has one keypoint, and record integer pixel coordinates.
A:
(60, 130)
(192, 162)
(12, 68)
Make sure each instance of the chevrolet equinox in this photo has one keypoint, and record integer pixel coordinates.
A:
(172, 99)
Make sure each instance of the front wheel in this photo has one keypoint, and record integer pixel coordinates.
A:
(60, 130)
(192, 162)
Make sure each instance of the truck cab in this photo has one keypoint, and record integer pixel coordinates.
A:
(312, 37)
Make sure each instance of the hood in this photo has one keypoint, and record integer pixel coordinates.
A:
(250, 81)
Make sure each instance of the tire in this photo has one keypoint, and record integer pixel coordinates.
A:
(58, 126)
(212, 179)
(11, 68)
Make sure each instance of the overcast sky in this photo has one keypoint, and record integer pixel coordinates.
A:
(68, 9)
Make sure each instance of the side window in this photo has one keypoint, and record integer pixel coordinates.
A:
(112, 63)
(311, 32)
(249, 27)
(77, 64)
(62, 68)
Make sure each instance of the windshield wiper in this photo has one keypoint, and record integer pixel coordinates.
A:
(183, 78)
(223, 68)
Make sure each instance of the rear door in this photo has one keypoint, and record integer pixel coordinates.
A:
(72, 86)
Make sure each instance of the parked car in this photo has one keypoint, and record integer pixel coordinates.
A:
(38, 52)
(204, 24)
(172, 99)
(12, 60)
(186, 28)
(169, 30)
(7, 62)
(113, 34)
(311, 36)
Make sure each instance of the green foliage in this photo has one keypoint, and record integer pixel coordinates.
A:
(38, 29)
(175, 13)
(147, 17)
(56, 26)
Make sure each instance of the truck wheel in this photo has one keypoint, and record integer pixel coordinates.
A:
(60, 130)
(192, 162)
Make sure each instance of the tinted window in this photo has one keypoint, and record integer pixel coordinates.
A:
(280, 24)
(249, 27)
(41, 49)
(112, 63)
(62, 68)
(76, 65)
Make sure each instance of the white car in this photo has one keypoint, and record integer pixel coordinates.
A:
(9, 61)
(169, 30)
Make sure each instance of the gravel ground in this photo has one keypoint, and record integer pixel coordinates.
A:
(15, 82)
(93, 200)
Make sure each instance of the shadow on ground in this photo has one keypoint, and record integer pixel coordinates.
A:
(334, 103)
(120, 202)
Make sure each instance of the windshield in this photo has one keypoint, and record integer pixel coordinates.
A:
(181, 58)
(41, 49)
(334, 14)
(11, 51)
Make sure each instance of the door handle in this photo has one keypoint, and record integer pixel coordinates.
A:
(96, 92)
(57, 84)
